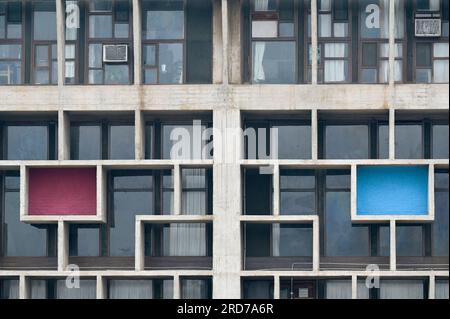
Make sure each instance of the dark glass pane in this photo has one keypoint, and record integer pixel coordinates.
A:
(149, 55)
(440, 141)
(408, 141)
(338, 181)
(274, 62)
(9, 288)
(133, 181)
(257, 240)
(196, 288)
(14, 11)
(22, 240)
(340, 9)
(258, 193)
(44, 25)
(295, 240)
(440, 224)
(369, 75)
(86, 142)
(384, 241)
(297, 203)
(423, 53)
(100, 5)
(346, 142)
(122, 11)
(383, 141)
(369, 54)
(150, 76)
(121, 145)
(342, 237)
(122, 232)
(409, 241)
(258, 289)
(27, 143)
(100, 26)
(84, 241)
(294, 141)
(163, 20)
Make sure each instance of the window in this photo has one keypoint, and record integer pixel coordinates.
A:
(419, 136)
(140, 289)
(410, 240)
(45, 65)
(103, 139)
(402, 289)
(84, 240)
(11, 63)
(334, 47)
(440, 224)
(441, 289)
(177, 41)
(29, 140)
(342, 289)
(283, 139)
(179, 240)
(273, 42)
(257, 288)
(58, 289)
(196, 288)
(374, 41)
(9, 288)
(20, 239)
(196, 191)
(258, 192)
(298, 192)
(431, 53)
(354, 139)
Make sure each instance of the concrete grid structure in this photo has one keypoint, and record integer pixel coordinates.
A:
(227, 99)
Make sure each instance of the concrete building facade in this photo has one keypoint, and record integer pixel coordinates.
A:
(85, 151)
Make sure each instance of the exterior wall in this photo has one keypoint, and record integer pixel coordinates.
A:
(226, 98)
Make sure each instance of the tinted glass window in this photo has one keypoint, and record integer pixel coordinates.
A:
(298, 193)
(257, 240)
(409, 241)
(408, 141)
(294, 141)
(27, 143)
(121, 142)
(84, 241)
(140, 289)
(196, 288)
(346, 142)
(258, 193)
(9, 289)
(86, 142)
(440, 141)
(44, 20)
(293, 241)
(258, 289)
(440, 225)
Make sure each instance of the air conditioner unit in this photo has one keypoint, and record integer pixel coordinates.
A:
(428, 27)
(115, 53)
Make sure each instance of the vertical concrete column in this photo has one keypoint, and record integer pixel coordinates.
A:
(276, 287)
(102, 195)
(314, 41)
(391, 42)
(63, 245)
(225, 43)
(139, 134)
(63, 135)
(354, 287)
(24, 287)
(432, 287)
(217, 42)
(23, 191)
(276, 190)
(393, 248)
(391, 133)
(139, 261)
(101, 287)
(314, 135)
(316, 245)
(235, 42)
(177, 189)
(227, 195)
(176, 287)
(431, 193)
(60, 38)
(137, 34)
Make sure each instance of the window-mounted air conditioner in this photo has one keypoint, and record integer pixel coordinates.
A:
(115, 53)
(428, 25)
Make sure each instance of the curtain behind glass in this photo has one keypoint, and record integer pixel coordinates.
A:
(194, 289)
(130, 289)
(87, 290)
(10, 288)
(185, 240)
(401, 289)
(338, 289)
(193, 201)
(442, 289)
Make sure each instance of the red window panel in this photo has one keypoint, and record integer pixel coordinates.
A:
(62, 191)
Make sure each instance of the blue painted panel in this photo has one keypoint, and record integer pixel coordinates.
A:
(394, 190)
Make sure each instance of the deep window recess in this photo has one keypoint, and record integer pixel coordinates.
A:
(278, 240)
(57, 289)
(273, 41)
(140, 288)
(196, 288)
(440, 224)
(294, 139)
(430, 53)
(19, 239)
(9, 288)
(196, 196)
(177, 41)
(298, 195)
(178, 240)
(102, 140)
(418, 137)
(84, 240)
(354, 139)
(258, 288)
(11, 45)
(334, 47)
(258, 192)
(410, 240)
(374, 41)
(403, 289)
(441, 289)
(44, 62)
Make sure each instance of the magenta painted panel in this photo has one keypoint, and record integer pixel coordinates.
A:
(62, 191)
